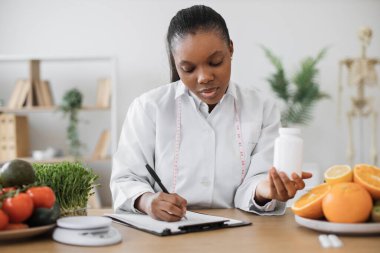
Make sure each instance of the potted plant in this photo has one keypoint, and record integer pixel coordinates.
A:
(299, 94)
(72, 102)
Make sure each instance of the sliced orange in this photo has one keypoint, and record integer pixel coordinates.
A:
(369, 177)
(338, 174)
(310, 204)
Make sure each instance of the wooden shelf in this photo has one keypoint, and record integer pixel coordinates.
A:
(49, 109)
(34, 94)
(61, 159)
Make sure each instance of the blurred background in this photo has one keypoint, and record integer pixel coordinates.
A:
(80, 41)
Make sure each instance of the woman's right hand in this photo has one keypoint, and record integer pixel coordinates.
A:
(162, 206)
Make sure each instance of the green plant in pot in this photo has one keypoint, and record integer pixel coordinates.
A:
(71, 103)
(72, 183)
(299, 94)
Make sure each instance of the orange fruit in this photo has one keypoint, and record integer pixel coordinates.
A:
(347, 203)
(310, 204)
(338, 174)
(369, 177)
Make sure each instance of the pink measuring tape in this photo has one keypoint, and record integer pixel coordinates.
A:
(178, 141)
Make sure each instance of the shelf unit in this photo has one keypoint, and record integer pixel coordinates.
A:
(110, 61)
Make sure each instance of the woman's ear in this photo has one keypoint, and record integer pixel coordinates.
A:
(231, 47)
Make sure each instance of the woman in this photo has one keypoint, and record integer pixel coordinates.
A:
(209, 140)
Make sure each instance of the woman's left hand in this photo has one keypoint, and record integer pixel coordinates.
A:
(278, 186)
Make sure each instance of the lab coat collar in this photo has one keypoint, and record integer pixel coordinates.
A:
(181, 89)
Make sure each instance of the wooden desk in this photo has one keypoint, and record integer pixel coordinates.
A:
(266, 234)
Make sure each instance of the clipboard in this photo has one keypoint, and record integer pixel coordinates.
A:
(196, 222)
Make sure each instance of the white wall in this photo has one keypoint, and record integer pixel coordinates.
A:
(134, 31)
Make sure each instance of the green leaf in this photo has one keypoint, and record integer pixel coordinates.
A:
(321, 55)
(278, 80)
(276, 61)
(301, 95)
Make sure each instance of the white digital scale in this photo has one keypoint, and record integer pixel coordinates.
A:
(86, 231)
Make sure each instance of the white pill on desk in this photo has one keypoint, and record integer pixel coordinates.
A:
(324, 240)
(335, 241)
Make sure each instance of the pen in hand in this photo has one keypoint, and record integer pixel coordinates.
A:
(156, 178)
(158, 181)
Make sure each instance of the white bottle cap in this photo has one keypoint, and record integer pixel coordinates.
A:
(289, 130)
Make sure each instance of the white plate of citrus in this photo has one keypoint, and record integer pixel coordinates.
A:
(348, 202)
(339, 228)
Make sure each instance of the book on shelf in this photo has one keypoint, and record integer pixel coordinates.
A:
(103, 95)
(27, 93)
(38, 93)
(43, 93)
(12, 103)
(30, 97)
(20, 94)
(101, 148)
(46, 93)
(24, 97)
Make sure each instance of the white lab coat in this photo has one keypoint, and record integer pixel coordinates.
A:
(209, 165)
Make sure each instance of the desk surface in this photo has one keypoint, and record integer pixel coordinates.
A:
(266, 234)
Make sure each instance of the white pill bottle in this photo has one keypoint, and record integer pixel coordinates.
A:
(288, 151)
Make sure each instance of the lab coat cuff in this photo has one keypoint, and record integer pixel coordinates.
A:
(273, 207)
(268, 207)
(133, 200)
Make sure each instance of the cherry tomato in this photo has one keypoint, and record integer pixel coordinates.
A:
(42, 196)
(19, 208)
(4, 220)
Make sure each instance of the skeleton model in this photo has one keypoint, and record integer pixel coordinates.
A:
(361, 72)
